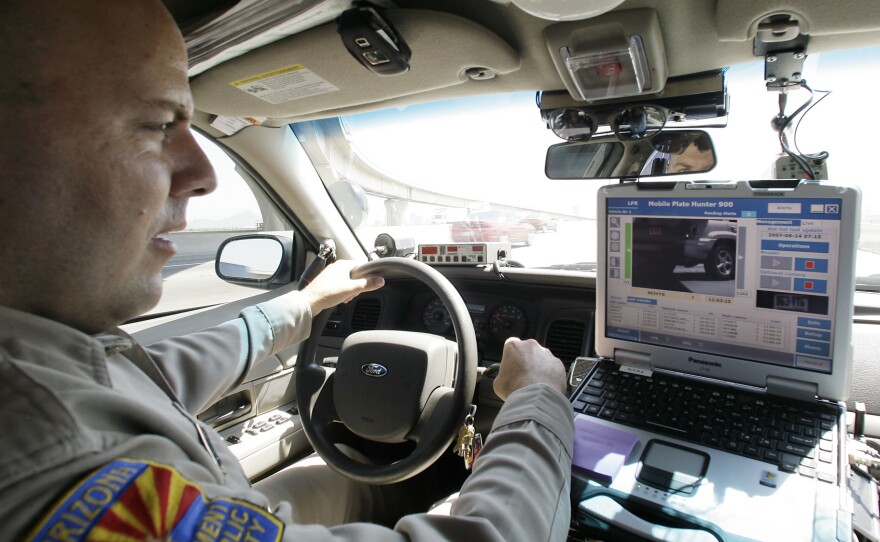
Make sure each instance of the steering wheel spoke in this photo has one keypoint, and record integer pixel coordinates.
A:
(323, 409)
(439, 403)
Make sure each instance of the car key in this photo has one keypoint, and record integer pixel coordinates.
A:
(469, 442)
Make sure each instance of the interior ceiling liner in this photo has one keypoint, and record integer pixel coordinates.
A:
(312, 72)
(737, 20)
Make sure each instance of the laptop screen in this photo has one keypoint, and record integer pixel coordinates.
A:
(727, 273)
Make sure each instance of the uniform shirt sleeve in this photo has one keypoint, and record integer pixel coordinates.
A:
(519, 490)
(520, 486)
(201, 366)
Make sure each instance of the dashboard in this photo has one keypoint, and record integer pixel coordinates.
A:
(558, 309)
(559, 314)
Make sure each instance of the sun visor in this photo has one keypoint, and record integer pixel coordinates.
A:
(314, 72)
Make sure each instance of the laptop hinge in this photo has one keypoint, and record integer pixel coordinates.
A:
(792, 389)
(633, 362)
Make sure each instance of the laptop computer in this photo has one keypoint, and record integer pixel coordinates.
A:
(724, 316)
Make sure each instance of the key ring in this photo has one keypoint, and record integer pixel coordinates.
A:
(469, 419)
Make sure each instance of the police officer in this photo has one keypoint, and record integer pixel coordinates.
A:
(97, 164)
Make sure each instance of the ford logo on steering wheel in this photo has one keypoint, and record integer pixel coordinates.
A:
(374, 370)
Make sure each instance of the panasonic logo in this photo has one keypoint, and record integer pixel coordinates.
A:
(704, 362)
(374, 369)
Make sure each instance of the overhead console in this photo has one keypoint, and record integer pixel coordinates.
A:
(613, 56)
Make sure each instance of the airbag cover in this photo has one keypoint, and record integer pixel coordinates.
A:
(383, 380)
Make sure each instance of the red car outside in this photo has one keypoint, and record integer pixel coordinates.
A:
(541, 222)
(493, 226)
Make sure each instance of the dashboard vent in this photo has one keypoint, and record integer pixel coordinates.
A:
(565, 338)
(366, 314)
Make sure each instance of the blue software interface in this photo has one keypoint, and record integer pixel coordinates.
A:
(749, 278)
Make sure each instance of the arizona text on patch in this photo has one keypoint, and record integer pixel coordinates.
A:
(133, 500)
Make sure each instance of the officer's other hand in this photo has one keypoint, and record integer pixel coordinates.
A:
(524, 363)
(334, 285)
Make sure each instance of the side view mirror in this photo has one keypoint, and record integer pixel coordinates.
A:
(258, 261)
(667, 153)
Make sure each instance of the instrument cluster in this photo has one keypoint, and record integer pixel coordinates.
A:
(491, 323)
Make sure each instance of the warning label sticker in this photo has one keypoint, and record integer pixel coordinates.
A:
(285, 85)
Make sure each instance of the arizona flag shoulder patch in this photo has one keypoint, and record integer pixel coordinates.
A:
(135, 500)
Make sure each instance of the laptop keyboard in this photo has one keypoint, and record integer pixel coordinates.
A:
(793, 435)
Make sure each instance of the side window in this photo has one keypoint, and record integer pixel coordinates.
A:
(237, 207)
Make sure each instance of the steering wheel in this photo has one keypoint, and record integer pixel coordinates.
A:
(390, 386)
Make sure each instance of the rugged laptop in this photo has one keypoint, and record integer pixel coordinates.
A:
(724, 340)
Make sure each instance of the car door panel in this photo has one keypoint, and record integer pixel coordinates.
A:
(268, 392)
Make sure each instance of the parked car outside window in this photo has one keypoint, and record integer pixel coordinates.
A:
(494, 226)
(542, 222)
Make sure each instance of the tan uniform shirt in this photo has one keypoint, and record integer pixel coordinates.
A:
(93, 448)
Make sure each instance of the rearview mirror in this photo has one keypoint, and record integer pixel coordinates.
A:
(667, 153)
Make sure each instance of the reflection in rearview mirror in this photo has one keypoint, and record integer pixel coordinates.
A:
(667, 153)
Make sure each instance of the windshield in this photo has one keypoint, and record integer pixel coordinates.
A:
(473, 169)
